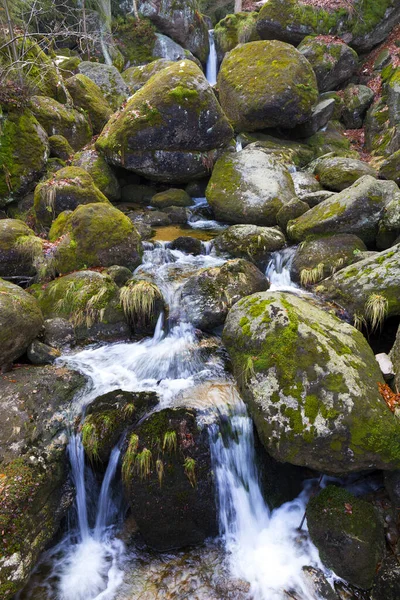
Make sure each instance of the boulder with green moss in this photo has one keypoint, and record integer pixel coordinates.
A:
(88, 301)
(87, 96)
(171, 197)
(293, 209)
(181, 21)
(136, 77)
(331, 139)
(356, 101)
(382, 123)
(172, 129)
(337, 173)
(34, 491)
(60, 147)
(102, 174)
(293, 20)
(368, 290)
(20, 322)
(332, 60)
(250, 242)
(69, 66)
(249, 187)
(97, 235)
(288, 151)
(390, 168)
(207, 296)
(276, 90)
(57, 119)
(68, 188)
(349, 534)
(167, 475)
(311, 384)
(108, 79)
(358, 209)
(24, 150)
(238, 28)
(20, 249)
(320, 257)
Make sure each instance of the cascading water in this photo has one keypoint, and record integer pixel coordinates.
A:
(212, 61)
(278, 271)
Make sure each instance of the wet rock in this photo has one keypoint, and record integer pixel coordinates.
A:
(387, 580)
(277, 90)
(317, 583)
(152, 218)
(42, 354)
(177, 214)
(168, 480)
(187, 244)
(143, 303)
(356, 101)
(337, 174)
(310, 382)
(250, 242)
(108, 79)
(207, 296)
(348, 534)
(87, 95)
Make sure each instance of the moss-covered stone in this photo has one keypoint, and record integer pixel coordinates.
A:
(135, 39)
(390, 168)
(69, 66)
(337, 174)
(67, 189)
(60, 147)
(20, 321)
(310, 381)
(57, 119)
(24, 150)
(171, 197)
(348, 533)
(20, 249)
(250, 242)
(108, 79)
(331, 140)
(89, 97)
(234, 29)
(293, 209)
(287, 151)
(356, 101)
(171, 129)
(136, 77)
(276, 90)
(97, 235)
(102, 174)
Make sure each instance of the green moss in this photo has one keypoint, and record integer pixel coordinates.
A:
(100, 432)
(135, 39)
(89, 97)
(311, 407)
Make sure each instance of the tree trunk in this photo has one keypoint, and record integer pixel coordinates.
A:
(11, 32)
(238, 6)
(135, 9)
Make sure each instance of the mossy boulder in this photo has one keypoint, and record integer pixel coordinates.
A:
(57, 119)
(20, 249)
(24, 150)
(69, 66)
(60, 147)
(89, 301)
(331, 139)
(136, 77)
(234, 29)
(108, 79)
(68, 188)
(293, 209)
(168, 480)
(357, 209)
(171, 197)
(181, 21)
(319, 257)
(250, 242)
(332, 60)
(348, 533)
(310, 382)
(97, 235)
(276, 90)
(102, 174)
(382, 122)
(390, 168)
(374, 279)
(20, 321)
(288, 151)
(87, 96)
(249, 187)
(356, 101)
(171, 130)
(305, 183)
(207, 296)
(337, 173)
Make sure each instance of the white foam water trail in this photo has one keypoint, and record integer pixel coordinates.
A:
(212, 61)
(239, 145)
(76, 455)
(106, 505)
(278, 271)
(265, 548)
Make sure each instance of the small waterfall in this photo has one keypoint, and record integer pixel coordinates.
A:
(105, 506)
(76, 455)
(212, 61)
(264, 548)
(239, 145)
(278, 271)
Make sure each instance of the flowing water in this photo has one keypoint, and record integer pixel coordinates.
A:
(259, 554)
(212, 61)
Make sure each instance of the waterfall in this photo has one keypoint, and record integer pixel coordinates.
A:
(264, 548)
(212, 61)
(278, 271)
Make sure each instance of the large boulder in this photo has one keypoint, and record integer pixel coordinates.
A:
(235, 29)
(276, 90)
(311, 384)
(356, 101)
(20, 322)
(348, 533)
(337, 173)
(167, 49)
(57, 119)
(167, 475)
(171, 130)
(207, 296)
(357, 209)
(19, 249)
(249, 187)
(87, 95)
(332, 60)
(96, 235)
(67, 189)
(136, 77)
(390, 168)
(24, 150)
(102, 174)
(181, 21)
(382, 122)
(250, 242)
(108, 79)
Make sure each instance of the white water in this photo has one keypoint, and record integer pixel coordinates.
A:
(212, 61)
(278, 271)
